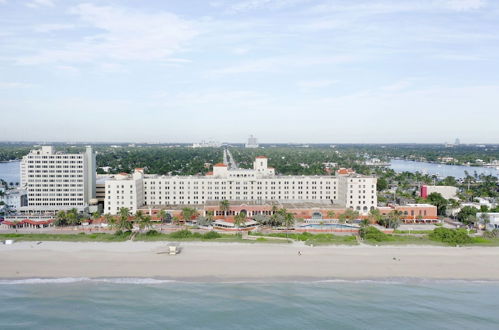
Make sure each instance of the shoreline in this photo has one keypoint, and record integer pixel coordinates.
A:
(222, 262)
(242, 280)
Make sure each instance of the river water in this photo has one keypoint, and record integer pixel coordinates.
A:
(10, 172)
(440, 170)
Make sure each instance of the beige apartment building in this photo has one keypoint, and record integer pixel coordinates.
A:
(133, 191)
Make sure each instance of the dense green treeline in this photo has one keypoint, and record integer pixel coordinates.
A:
(183, 160)
(299, 161)
(160, 160)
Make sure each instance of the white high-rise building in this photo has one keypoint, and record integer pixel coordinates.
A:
(133, 191)
(57, 181)
(252, 142)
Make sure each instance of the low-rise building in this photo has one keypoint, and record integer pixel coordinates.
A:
(447, 192)
(14, 199)
(492, 217)
(413, 213)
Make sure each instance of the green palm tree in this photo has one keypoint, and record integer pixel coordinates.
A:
(61, 219)
(224, 206)
(374, 216)
(145, 222)
(188, 213)
(209, 215)
(73, 217)
(351, 215)
(123, 223)
(239, 219)
(162, 215)
(485, 218)
(110, 220)
(331, 214)
(289, 220)
(139, 217)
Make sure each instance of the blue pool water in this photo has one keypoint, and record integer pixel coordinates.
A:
(329, 226)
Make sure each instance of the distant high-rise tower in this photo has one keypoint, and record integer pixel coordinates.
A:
(457, 142)
(252, 142)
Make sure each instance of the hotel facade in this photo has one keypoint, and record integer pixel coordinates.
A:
(260, 184)
(57, 181)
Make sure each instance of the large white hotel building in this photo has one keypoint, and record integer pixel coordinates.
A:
(133, 191)
(57, 181)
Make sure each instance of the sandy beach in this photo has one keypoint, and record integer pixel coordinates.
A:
(227, 261)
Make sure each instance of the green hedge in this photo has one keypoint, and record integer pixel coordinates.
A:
(374, 234)
(451, 236)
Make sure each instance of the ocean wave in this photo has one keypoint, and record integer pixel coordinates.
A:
(407, 280)
(61, 280)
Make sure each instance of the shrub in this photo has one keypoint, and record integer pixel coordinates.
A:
(211, 235)
(118, 232)
(450, 236)
(184, 233)
(494, 233)
(373, 234)
(153, 232)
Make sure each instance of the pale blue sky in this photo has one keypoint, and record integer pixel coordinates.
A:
(284, 70)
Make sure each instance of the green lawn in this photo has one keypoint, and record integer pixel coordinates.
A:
(404, 240)
(315, 239)
(81, 237)
(187, 236)
(107, 237)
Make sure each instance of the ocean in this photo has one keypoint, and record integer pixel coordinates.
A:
(161, 304)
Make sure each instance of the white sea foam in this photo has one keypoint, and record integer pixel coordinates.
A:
(61, 280)
(132, 280)
(404, 281)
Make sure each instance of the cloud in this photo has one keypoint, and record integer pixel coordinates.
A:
(122, 34)
(249, 5)
(368, 8)
(4, 85)
(398, 86)
(275, 64)
(464, 5)
(53, 27)
(312, 84)
(40, 3)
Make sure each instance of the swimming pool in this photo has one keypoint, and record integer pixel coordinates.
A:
(329, 226)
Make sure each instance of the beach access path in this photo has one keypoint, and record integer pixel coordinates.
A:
(205, 261)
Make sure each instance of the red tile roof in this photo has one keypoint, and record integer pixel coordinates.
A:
(220, 165)
(31, 222)
(261, 157)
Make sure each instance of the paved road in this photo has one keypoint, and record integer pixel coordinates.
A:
(232, 163)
